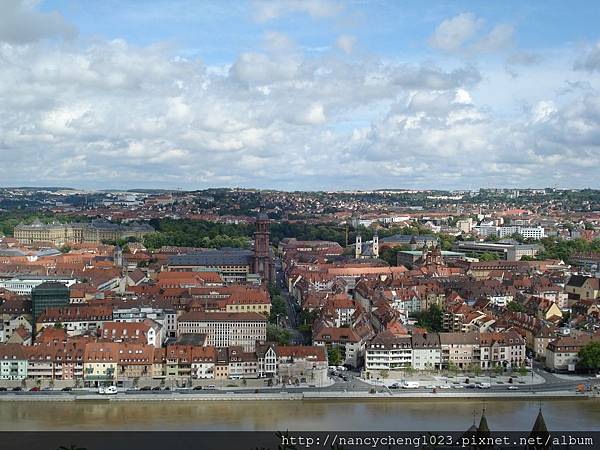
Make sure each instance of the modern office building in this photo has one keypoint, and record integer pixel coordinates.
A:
(50, 294)
(508, 251)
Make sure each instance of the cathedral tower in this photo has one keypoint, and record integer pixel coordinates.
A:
(262, 254)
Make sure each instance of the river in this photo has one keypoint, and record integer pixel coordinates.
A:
(446, 415)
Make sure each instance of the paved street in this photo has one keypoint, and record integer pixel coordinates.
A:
(292, 310)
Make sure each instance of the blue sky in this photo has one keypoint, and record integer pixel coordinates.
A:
(300, 94)
(219, 30)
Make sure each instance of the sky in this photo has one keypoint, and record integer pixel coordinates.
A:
(299, 94)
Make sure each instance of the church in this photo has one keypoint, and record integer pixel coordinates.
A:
(234, 264)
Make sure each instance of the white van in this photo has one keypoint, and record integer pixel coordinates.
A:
(410, 385)
(211, 386)
(109, 390)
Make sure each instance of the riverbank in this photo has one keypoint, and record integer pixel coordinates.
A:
(287, 396)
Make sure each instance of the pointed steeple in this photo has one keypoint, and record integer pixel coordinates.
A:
(539, 430)
(540, 424)
(483, 429)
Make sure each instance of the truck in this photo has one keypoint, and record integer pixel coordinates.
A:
(410, 385)
(108, 390)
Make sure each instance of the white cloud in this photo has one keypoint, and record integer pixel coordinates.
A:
(464, 33)
(590, 60)
(346, 43)
(452, 34)
(21, 23)
(269, 10)
(500, 37)
(111, 114)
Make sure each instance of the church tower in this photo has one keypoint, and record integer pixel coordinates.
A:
(118, 256)
(358, 246)
(375, 245)
(262, 254)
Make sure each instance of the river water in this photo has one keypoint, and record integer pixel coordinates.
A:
(347, 415)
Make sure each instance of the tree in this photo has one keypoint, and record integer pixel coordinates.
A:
(384, 374)
(452, 368)
(589, 356)
(278, 334)
(487, 256)
(515, 306)
(278, 308)
(334, 356)
(476, 369)
(446, 241)
(431, 319)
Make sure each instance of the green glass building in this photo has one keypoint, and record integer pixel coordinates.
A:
(50, 294)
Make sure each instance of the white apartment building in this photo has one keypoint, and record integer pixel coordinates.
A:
(426, 351)
(24, 286)
(165, 317)
(526, 232)
(224, 329)
(388, 351)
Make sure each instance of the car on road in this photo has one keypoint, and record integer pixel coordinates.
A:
(108, 390)
(457, 386)
(145, 388)
(3, 389)
(197, 388)
(470, 386)
(34, 389)
(66, 389)
(17, 389)
(394, 386)
(484, 385)
(512, 388)
(410, 385)
(444, 386)
(156, 388)
(211, 386)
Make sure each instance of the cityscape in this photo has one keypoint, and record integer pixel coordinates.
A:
(264, 219)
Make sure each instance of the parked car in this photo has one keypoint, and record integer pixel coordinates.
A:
(17, 389)
(157, 388)
(3, 389)
(512, 388)
(395, 386)
(470, 386)
(444, 386)
(66, 389)
(198, 388)
(34, 389)
(211, 386)
(484, 385)
(108, 390)
(145, 388)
